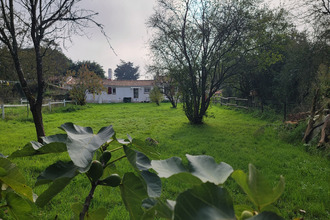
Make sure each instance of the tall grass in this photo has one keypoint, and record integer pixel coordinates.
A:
(228, 135)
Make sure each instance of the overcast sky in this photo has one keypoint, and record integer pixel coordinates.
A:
(125, 23)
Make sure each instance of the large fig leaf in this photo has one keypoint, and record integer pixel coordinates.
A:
(205, 201)
(138, 160)
(141, 162)
(148, 150)
(257, 187)
(157, 208)
(206, 169)
(52, 144)
(168, 167)
(82, 143)
(203, 167)
(59, 174)
(3, 172)
(97, 214)
(187, 178)
(18, 207)
(14, 179)
(133, 192)
(153, 182)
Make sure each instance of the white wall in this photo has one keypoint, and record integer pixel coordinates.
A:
(121, 93)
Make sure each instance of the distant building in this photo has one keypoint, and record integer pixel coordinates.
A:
(123, 91)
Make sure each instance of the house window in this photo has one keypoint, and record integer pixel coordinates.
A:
(109, 90)
(114, 91)
(136, 93)
(146, 89)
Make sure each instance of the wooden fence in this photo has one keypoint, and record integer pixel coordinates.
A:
(232, 101)
(49, 104)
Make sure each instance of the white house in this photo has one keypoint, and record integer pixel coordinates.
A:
(123, 91)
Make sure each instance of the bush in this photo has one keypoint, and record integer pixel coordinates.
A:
(156, 95)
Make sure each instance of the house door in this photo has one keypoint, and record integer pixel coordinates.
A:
(136, 93)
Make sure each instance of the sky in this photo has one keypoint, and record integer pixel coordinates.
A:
(125, 23)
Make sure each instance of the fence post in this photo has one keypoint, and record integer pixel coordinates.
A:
(64, 102)
(3, 111)
(50, 106)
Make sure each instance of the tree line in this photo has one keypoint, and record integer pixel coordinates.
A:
(242, 48)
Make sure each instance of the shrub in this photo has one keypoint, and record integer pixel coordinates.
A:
(156, 95)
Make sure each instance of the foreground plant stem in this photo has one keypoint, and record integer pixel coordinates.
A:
(87, 202)
(116, 160)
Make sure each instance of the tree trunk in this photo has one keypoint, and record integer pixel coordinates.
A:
(41, 85)
(172, 100)
(325, 131)
(284, 110)
(37, 119)
(311, 121)
(35, 106)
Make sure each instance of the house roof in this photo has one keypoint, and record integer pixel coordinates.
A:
(128, 83)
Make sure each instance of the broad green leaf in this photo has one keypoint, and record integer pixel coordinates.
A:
(98, 214)
(141, 146)
(206, 169)
(266, 216)
(76, 209)
(122, 141)
(129, 138)
(257, 187)
(169, 167)
(28, 150)
(205, 201)
(56, 171)
(52, 144)
(3, 172)
(137, 159)
(133, 192)
(140, 162)
(82, 143)
(57, 186)
(240, 208)
(60, 174)
(157, 208)
(202, 167)
(187, 178)
(14, 179)
(153, 182)
(61, 138)
(18, 207)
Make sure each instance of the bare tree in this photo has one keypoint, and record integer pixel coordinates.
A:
(200, 42)
(311, 15)
(166, 83)
(39, 23)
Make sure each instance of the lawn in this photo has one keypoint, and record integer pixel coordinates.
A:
(228, 135)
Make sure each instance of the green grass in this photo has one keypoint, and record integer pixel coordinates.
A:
(228, 135)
